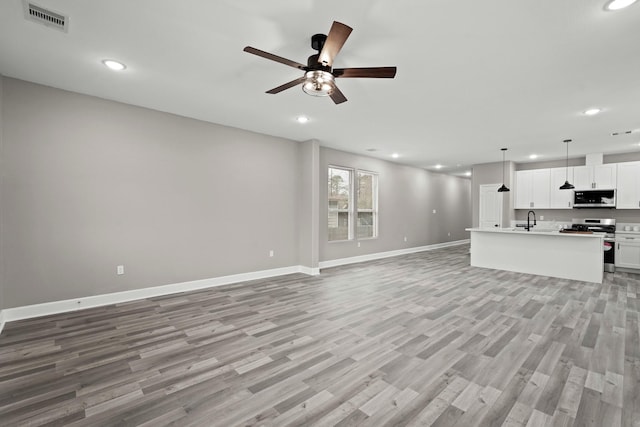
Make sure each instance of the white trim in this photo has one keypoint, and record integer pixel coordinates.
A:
(55, 307)
(63, 306)
(380, 255)
(1, 320)
(310, 271)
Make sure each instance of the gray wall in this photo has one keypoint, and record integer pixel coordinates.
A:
(89, 184)
(2, 167)
(565, 215)
(407, 197)
(491, 173)
(308, 161)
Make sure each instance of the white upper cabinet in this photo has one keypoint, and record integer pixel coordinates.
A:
(532, 189)
(560, 199)
(595, 176)
(628, 193)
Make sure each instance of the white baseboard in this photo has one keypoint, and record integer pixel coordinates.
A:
(1, 320)
(55, 307)
(310, 271)
(380, 255)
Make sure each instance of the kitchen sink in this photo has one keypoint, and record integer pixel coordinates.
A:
(534, 230)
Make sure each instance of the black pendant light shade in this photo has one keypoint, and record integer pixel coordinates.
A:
(504, 187)
(567, 185)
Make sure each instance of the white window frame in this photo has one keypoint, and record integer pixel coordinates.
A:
(352, 211)
(374, 202)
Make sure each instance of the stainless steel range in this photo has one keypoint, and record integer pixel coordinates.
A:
(606, 226)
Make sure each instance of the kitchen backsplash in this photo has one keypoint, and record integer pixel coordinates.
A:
(565, 215)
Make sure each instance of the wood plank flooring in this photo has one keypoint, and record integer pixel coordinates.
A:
(415, 340)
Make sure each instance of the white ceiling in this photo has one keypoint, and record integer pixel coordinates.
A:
(473, 76)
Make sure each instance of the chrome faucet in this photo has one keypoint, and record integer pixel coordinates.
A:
(534, 220)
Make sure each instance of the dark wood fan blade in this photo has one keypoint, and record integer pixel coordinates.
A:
(373, 72)
(273, 57)
(337, 96)
(338, 34)
(285, 86)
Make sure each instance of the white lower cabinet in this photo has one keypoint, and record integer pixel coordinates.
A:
(627, 251)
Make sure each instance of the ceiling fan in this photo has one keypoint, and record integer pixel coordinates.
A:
(319, 77)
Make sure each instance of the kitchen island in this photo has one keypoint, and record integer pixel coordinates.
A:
(545, 253)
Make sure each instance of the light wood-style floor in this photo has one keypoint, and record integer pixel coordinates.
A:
(422, 339)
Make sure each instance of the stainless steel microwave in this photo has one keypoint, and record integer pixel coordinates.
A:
(594, 199)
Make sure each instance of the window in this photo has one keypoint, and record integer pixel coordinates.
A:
(345, 204)
(367, 205)
(339, 204)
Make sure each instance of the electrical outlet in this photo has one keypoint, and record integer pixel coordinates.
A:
(120, 270)
(405, 238)
(358, 244)
(271, 253)
(541, 217)
(448, 234)
(434, 211)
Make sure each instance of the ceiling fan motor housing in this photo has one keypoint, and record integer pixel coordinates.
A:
(313, 63)
(317, 41)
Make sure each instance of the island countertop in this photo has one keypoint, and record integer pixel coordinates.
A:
(534, 232)
(543, 252)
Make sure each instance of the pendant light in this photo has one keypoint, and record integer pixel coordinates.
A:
(566, 185)
(504, 187)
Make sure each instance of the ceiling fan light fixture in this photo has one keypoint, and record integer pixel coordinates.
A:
(318, 83)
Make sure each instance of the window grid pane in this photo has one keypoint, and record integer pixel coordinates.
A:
(367, 203)
(339, 190)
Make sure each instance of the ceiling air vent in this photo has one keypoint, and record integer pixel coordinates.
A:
(46, 17)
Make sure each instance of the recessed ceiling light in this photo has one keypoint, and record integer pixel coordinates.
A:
(468, 173)
(438, 166)
(619, 4)
(533, 156)
(114, 65)
(592, 111)
(302, 119)
(395, 155)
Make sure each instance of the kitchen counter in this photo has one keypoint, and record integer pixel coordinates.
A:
(542, 252)
(542, 231)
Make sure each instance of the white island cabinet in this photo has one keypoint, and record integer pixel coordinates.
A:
(555, 254)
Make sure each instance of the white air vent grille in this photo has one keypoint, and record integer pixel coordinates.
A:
(46, 17)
